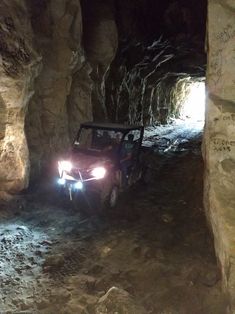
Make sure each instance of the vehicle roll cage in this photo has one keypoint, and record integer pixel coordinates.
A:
(122, 128)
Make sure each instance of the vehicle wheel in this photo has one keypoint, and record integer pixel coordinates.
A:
(111, 200)
(113, 197)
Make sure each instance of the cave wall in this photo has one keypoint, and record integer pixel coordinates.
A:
(219, 138)
(100, 43)
(19, 65)
(57, 28)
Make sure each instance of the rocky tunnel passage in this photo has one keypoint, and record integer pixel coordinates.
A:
(68, 61)
(148, 84)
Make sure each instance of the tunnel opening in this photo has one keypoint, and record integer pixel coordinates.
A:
(193, 105)
(158, 84)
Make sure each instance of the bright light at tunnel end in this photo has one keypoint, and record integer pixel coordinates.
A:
(193, 107)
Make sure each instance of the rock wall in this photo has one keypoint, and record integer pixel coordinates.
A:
(100, 42)
(219, 139)
(57, 27)
(19, 65)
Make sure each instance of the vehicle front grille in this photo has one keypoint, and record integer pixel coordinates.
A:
(80, 174)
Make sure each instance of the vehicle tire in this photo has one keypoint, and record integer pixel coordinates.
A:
(113, 197)
(110, 201)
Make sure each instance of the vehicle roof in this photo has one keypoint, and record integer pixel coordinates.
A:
(111, 126)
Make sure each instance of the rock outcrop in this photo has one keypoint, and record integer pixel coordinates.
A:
(19, 65)
(101, 42)
(219, 139)
(57, 29)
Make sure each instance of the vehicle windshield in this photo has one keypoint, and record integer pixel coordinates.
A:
(98, 140)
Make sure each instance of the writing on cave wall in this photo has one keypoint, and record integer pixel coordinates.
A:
(230, 118)
(226, 33)
(224, 38)
(216, 66)
(222, 145)
(227, 119)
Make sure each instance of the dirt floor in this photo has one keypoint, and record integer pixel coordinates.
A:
(153, 254)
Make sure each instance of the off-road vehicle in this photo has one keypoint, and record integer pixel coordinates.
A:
(104, 161)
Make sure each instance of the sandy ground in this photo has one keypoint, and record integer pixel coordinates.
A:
(155, 248)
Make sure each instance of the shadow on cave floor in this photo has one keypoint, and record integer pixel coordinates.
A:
(156, 247)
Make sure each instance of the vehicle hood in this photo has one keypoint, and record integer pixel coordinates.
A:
(86, 161)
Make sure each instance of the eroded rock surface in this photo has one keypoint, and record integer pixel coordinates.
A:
(101, 42)
(58, 29)
(19, 65)
(220, 137)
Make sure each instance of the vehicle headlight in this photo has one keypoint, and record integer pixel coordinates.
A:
(99, 172)
(64, 166)
(78, 185)
(61, 181)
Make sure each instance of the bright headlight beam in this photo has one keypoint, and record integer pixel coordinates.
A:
(61, 181)
(78, 185)
(99, 172)
(65, 166)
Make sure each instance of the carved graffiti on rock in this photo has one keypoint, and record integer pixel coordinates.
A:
(218, 59)
(222, 145)
(216, 66)
(226, 34)
(229, 118)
